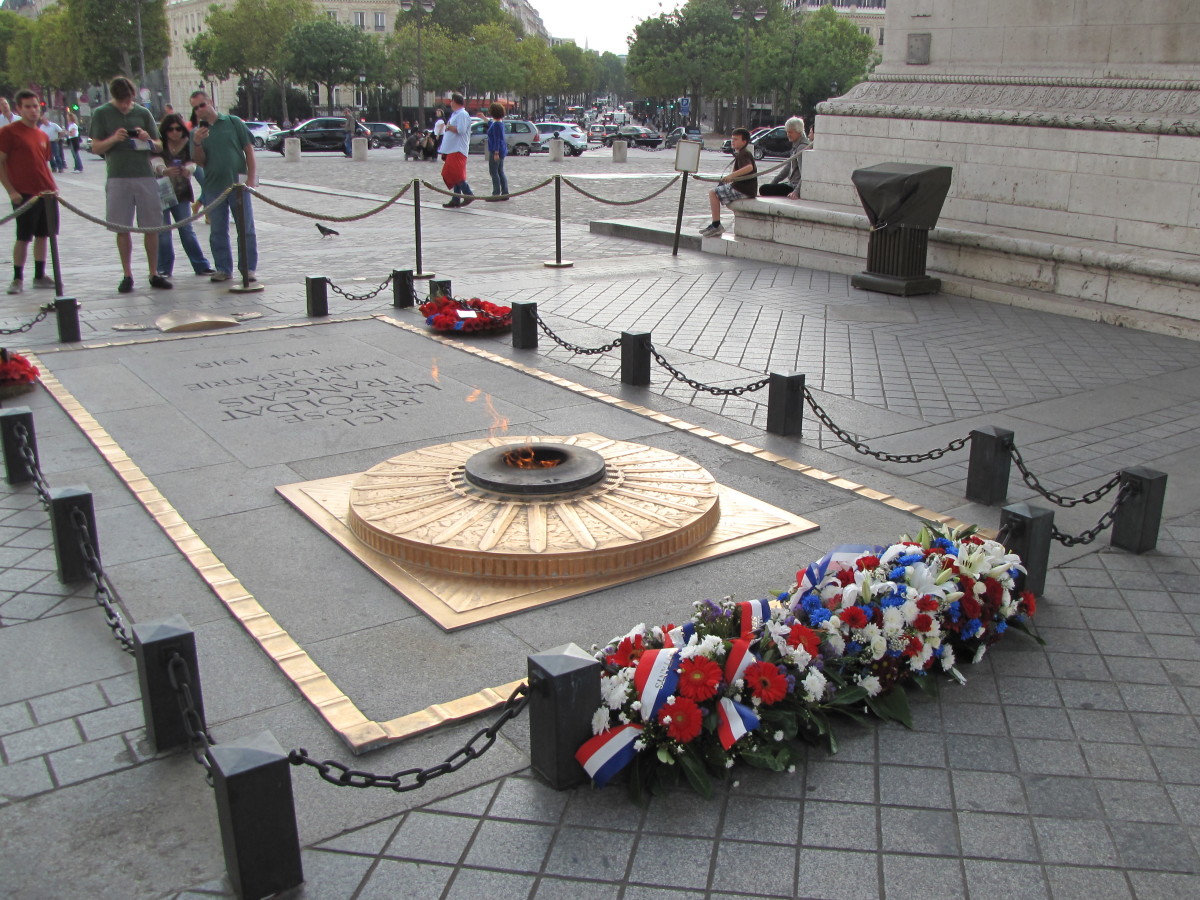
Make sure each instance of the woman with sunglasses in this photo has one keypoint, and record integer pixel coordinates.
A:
(176, 164)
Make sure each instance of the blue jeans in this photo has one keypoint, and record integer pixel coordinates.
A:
(75, 153)
(499, 179)
(218, 237)
(187, 237)
(57, 162)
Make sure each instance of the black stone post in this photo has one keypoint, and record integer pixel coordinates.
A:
(1030, 529)
(1136, 526)
(635, 358)
(316, 293)
(15, 469)
(524, 325)
(66, 312)
(72, 565)
(154, 645)
(439, 287)
(252, 781)
(52, 219)
(403, 295)
(988, 468)
(785, 403)
(564, 692)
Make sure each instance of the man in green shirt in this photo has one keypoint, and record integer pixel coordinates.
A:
(126, 136)
(222, 144)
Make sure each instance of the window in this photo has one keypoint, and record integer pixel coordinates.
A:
(380, 23)
(332, 13)
(360, 21)
(880, 37)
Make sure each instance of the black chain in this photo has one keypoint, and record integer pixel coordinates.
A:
(707, 388)
(410, 779)
(106, 593)
(862, 448)
(368, 296)
(574, 348)
(31, 464)
(200, 740)
(1058, 499)
(1106, 520)
(21, 329)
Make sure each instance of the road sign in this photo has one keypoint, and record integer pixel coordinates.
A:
(685, 105)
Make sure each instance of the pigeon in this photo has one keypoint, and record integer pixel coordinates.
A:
(325, 232)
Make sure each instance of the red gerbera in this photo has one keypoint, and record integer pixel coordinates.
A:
(803, 636)
(854, 617)
(698, 678)
(684, 718)
(628, 652)
(766, 682)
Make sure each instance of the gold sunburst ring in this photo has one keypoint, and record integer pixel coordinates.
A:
(422, 510)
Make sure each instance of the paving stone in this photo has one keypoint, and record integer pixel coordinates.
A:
(516, 847)
(40, 740)
(113, 720)
(590, 853)
(392, 876)
(15, 717)
(563, 889)
(370, 840)
(910, 877)
(529, 800)
(91, 759)
(845, 826)
(774, 868)
(1163, 848)
(1073, 883)
(121, 689)
(430, 837)
(673, 861)
(989, 880)
(837, 873)
(24, 779)
(744, 821)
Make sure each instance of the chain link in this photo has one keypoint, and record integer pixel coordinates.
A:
(1058, 499)
(337, 290)
(105, 591)
(31, 465)
(862, 448)
(410, 779)
(43, 311)
(574, 348)
(200, 740)
(1127, 490)
(699, 386)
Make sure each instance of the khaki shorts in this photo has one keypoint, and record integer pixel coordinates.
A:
(125, 195)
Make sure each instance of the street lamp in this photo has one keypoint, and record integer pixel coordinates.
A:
(421, 6)
(739, 12)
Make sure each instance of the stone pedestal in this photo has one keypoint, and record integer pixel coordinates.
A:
(556, 149)
(291, 149)
(358, 149)
(620, 151)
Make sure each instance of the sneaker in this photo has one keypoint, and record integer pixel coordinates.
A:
(251, 277)
(453, 204)
(43, 281)
(219, 276)
(157, 281)
(713, 230)
(468, 200)
(126, 285)
(206, 272)
(16, 287)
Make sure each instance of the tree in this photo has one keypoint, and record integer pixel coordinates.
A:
(108, 43)
(461, 16)
(540, 71)
(56, 56)
(322, 51)
(610, 75)
(834, 51)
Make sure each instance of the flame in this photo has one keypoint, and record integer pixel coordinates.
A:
(527, 458)
(433, 371)
(499, 423)
(474, 395)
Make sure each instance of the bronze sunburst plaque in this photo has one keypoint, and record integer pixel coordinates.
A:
(465, 554)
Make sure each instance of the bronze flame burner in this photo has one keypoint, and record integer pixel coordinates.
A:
(535, 469)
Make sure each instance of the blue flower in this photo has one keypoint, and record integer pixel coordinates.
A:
(972, 628)
(943, 544)
(954, 611)
(891, 600)
(819, 616)
(897, 574)
(909, 558)
(1001, 627)
(853, 646)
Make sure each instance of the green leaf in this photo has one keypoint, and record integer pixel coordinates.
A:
(892, 705)
(664, 755)
(1021, 625)
(697, 775)
(764, 759)
(849, 696)
(927, 685)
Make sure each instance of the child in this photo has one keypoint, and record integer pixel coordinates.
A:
(730, 188)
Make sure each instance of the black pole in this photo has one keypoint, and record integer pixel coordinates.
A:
(66, 311)
(420, 271)
(679, 215)
(558, 260)
(52, 222)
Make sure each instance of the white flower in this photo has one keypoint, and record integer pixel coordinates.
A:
(778, 736)
(622, 718)
(948, 658)
(614, 689)
(979, 653)
(791, 770)
(909, 610)
(636, 705)
(600, 720)
(729, 763)
(836, 643)
(871, 685)
(671, 700)
(639, 745)
(878, 646)
(814, 685)
(666, 720)
(893, 621)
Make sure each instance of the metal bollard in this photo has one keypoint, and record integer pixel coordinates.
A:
(316, 295)
(524, 325)
(1030, 529)
(785, 403)
(439, 287)
(989, 465)
(564, 691)
(16, 471)
(154, 644)
(66, 311)
(403, 294)
(72, 565)
(1135, 527)
(252, 782)
(635, 358)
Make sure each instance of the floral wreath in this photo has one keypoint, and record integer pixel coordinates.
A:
(447, 314)
(16, 369)
(742, 681)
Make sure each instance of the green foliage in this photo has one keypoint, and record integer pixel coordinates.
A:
(107, 36)
(579, 68)
(325, 52)
(16, 51)
(460, 16)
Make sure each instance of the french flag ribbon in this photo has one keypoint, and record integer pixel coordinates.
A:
(679, 636)
(604, 755)
(840, 557)
(735, 720)
(754, 613)
(738, 659)
(655, 679)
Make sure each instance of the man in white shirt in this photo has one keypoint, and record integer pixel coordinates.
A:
(456, 142)
(7, 116)
(53, 131)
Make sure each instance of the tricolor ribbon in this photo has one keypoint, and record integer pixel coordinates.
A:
(738, 658)
(754, 613)
(735, 720)
(840, 557)
(655, 679)
(606, 754)
(679, 636)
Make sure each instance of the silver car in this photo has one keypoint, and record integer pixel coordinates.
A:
(522, 137)
(576, 143)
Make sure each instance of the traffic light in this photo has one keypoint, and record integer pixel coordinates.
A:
(74, 107)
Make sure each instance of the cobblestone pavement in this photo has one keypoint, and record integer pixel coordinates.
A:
(1063, 771)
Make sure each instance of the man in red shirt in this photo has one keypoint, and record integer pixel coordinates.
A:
(25, 172)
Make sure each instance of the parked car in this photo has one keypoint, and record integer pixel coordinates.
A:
(384, 134)
(576, 143)
(323, 135)
(259, 132)
(773, 142)
(690, 133)
(634, 135)
(521, 136)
